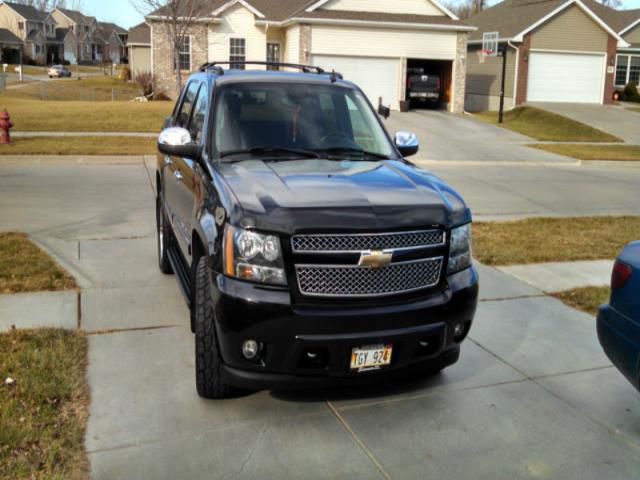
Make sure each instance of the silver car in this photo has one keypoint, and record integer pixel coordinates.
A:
(59, 71)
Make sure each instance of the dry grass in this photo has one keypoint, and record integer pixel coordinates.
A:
(103, 89)
(43, 413)
(634, 109)
(587, 299)
(80, 146)
(547, 126)
(537, 240)
(627, 153)
(26, 268)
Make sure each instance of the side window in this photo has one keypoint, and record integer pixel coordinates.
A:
(184, 113)
(196, 126)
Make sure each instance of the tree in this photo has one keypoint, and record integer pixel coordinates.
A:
(611, 3)
(465, 9)
(177, 17)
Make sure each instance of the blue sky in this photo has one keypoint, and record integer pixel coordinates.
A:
(125, 15)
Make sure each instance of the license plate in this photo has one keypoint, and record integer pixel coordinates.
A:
(372, 357)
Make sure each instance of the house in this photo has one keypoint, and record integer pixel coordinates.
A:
(556, 51)
(139, 46)
(84, 28)
(371, 42)
(10, 46)
(112, 48)
(627, 24)
(34, 28)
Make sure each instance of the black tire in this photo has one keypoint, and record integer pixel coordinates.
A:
(208, 361)
(163, 236)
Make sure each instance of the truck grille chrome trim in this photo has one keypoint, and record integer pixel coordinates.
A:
(356, 243)
(361, 281)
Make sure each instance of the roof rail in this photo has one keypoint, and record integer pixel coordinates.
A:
(216, 68)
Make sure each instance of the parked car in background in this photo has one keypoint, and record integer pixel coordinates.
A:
(619, 321)
(59, 71)
(422, 88)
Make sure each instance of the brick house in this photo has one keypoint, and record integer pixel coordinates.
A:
(355, 37)
(556, 51)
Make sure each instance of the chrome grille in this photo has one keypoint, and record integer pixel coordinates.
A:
(357, 281)
(356, 243)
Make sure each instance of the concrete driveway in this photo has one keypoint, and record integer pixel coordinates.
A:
(532, 397)
(445, 136)
(612, 119)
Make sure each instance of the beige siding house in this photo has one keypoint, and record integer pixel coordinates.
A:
(556, 51)
(371, 42)
(34, 28)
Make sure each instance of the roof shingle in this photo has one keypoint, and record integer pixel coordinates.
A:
(28, 12)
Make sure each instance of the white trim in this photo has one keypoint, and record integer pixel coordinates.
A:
(231, 3)
(367, 23)
(621, 42)
(517, 71)
(436, 3)
(626, 29)
(572, 52)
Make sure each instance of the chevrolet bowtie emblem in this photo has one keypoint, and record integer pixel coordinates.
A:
(375, 259)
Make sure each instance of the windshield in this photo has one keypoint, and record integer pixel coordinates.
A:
(295, 117)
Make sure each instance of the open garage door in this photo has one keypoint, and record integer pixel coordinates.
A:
(565, 77)
(377, 77)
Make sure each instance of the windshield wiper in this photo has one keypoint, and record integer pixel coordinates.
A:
(273, 152)
(332, 152)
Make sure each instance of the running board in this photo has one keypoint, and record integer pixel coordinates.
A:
(184, 279)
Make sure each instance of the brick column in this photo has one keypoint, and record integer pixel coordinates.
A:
(523, 70)
(612, 47)
(305, 44)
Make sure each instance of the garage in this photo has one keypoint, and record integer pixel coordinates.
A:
(427, 77)
(565, 77)
(377, 77)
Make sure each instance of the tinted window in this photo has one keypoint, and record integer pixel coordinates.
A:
(199, 113)
(302, 116)
(182, 119)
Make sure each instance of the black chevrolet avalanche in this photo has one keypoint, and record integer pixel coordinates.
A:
(309, 251)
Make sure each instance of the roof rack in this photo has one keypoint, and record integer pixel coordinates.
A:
(216, 68)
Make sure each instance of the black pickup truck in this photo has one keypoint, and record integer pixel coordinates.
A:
(309, 251)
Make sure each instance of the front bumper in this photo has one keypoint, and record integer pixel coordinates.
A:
(421, 332)
(617, 335)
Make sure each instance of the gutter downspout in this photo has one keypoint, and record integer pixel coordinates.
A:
(515, 79)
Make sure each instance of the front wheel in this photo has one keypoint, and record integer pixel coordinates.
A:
(163, 235)
(209, 381)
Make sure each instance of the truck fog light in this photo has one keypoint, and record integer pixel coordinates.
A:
(250, 349)
(458, 331)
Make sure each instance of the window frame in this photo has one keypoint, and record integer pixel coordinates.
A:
(627, 68)
(236, 60)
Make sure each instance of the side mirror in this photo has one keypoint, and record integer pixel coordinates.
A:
(176, 142)
(384, 111)
(407, 143)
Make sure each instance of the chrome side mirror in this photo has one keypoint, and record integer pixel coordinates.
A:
(177, 142)
(407, 143)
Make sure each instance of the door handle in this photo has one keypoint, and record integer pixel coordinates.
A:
(168, 161)
(178, 175)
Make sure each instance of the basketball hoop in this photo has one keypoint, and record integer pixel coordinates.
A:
(490, 44)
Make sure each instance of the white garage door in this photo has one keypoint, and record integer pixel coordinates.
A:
(377, 77)
(565, 77)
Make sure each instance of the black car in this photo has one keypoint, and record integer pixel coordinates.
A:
(309, 251)
(423, 88)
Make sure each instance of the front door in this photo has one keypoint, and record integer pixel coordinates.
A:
(273, 54)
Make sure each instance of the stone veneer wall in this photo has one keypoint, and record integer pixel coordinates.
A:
(305, 44)
(460, 73)
(162, 56)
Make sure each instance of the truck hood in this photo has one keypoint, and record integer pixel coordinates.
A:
(316, 194)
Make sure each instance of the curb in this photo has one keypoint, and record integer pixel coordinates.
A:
(499, 163)
(29, 160)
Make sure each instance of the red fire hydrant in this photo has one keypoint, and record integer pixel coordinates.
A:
(5, 126)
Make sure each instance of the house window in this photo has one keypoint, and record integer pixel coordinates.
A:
(184, 53)
(627, 69)
(273, 55)
(634, 70)
(237, 53)
(20, 25)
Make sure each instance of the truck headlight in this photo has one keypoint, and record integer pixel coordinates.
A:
(460, 249)
(253, 256)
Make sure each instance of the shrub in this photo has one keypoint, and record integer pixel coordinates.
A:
(125, 74)
(630, 92)
(146, 80)
(161, 97)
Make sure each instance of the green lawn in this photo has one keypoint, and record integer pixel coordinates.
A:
(26, 268)
(80, 146)
(547, 126)
(44, 405)
(593, 152)
(537, 240)
(587, 299)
